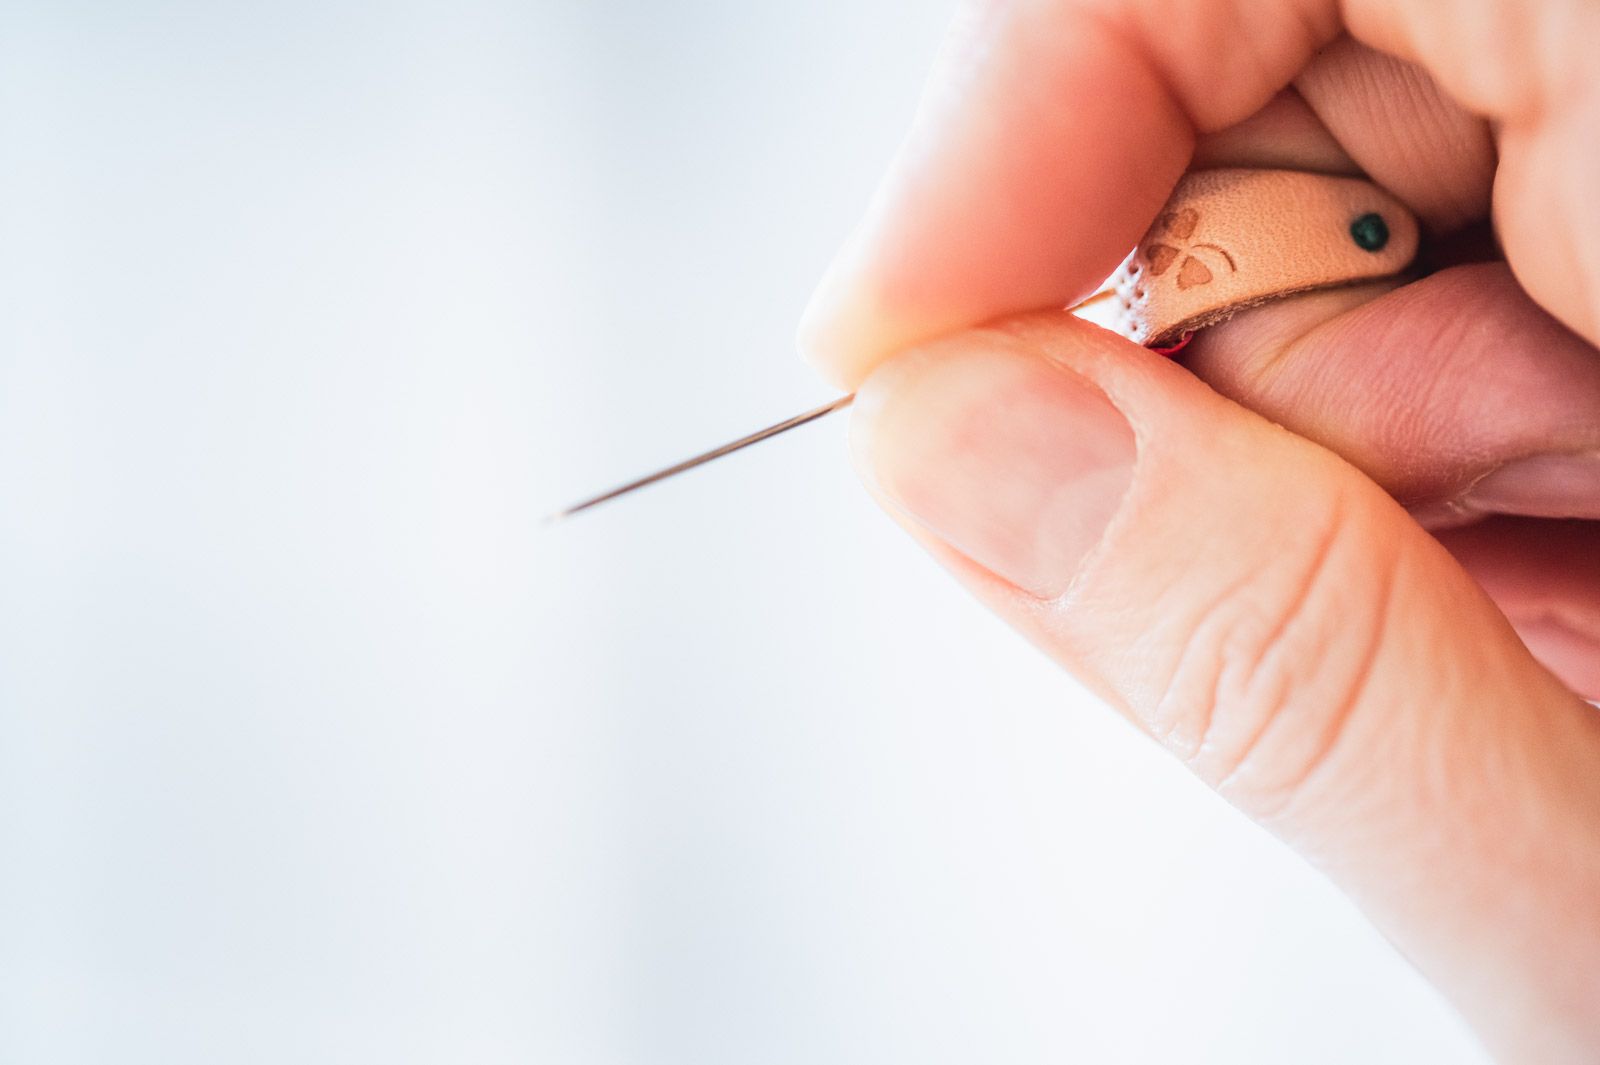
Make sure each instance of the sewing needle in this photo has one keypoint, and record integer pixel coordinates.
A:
(715, 453)
(745, 441)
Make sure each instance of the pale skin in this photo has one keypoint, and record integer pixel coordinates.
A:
(1345, 559)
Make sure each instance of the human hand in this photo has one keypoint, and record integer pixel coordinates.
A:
(1253, 597)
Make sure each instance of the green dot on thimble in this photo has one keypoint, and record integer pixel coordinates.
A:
(1370, 232)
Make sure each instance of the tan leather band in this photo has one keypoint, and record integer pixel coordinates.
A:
(1230, 239)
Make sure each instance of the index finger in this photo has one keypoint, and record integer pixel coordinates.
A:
(1051, 133)
(1054, 130)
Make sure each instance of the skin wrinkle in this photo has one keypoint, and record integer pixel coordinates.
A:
(1292, 609)
(1345, 707)
(1170, 717)
(1260, 375)
(1436, 422)
(1491, 84)
(1424, 396)
(1407, 92)
(1202, 663)
(1394, 120)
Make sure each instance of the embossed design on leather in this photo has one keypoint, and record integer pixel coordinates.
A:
(1180, 226)
(1234, 238)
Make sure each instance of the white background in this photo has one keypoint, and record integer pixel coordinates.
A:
(315, 747)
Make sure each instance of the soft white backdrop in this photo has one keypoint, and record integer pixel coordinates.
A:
(315, 747)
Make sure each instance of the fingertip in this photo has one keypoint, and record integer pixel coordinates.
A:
(835, 328)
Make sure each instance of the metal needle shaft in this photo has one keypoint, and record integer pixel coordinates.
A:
(745, 441)
(715, 453)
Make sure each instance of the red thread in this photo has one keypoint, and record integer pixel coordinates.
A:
(1182, 343)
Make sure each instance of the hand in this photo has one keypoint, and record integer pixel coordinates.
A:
(1256, 598)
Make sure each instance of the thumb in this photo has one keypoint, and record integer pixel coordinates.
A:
(1276, 620)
